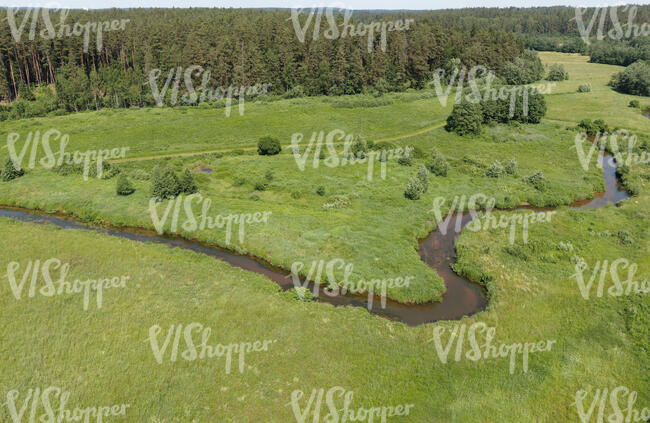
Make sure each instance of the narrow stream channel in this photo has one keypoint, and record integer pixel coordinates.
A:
(462, 298)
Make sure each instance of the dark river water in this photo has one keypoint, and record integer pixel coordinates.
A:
(463, 297)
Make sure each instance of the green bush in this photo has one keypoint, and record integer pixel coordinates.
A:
(423, 176)
(437, 165)
(495, 170)
(537, 180)
(413, 189)
(465, 118)
(299, 293)
(405, 161)
(187, 183)
(268, 146)
(584, 88)
(164, 183)
(9, 172)
(320, 190)
(254, 197)
(359, 148)
(598, 126)
(557, 73)
(635, 104)
(260, 186)
(635, 79)
(296, 195)
(417, 152)
(124, 186)
(511, 167)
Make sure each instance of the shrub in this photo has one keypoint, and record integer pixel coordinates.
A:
(254, 197)
(511, 167)
(537, 180)
(465, 118)
(437, 165)
(238, 181)
(592, 128)
(359, 148)
(557, 73)
(164, 183)
(584, 88)
(299, 293)
(268, 146)
(625, 237)
(423, 176)
(417, 153)
(413, 189)
(635, 104)
(340, 202)
(495, 170)
(296, 195)
(268, 175)
(405, 161)
(124, 186)
(260, 186)
(9, 172)
(187, 183)
(320, 190)
(635, 79)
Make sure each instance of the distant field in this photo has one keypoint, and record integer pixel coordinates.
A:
(150, 131)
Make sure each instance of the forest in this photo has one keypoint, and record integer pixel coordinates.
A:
(248, 47)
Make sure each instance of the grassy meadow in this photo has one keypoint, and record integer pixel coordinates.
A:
(602, 342)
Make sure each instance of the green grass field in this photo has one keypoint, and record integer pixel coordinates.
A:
(104, 356)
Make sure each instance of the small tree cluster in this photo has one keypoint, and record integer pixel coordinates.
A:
(465, 119)
(557, 73)
(598, 126)
(417, 185)
(635, 79)
(166, 184)
(268, 146)
(524, 70)
(9, 172)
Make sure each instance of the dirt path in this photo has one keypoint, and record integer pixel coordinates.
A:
(227, 150)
